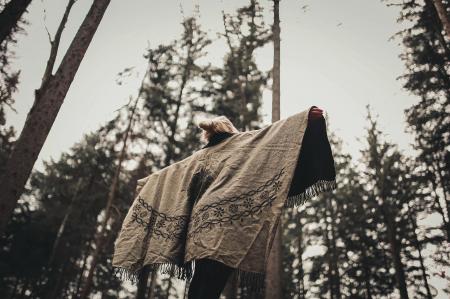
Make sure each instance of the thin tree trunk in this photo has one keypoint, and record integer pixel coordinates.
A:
(442, 13)
(42, 115)
(328, 257)
(416, 242)
(336, 276)
(169, 287)
(274, 266)
(151, 291)
(83, 268)
(10, 16)
(366, 271)
(62, 226)
(395, 252)
(101, 235)
(301, 272)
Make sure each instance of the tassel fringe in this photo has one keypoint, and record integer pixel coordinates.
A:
(313, 190)
(183, 272)
(252, 284)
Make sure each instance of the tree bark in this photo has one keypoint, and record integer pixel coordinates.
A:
(442, 13)
(151, 291)
(42, 115)
(395, 252)
(10, 15)
(274, 266)
(102, 234)
(301, 272)
(416, 243)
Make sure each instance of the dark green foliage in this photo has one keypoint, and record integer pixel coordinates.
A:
(236, 88)
(427, 75)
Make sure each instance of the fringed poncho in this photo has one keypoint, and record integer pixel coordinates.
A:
(224, 201)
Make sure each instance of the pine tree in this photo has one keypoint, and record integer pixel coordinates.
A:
(49, 99)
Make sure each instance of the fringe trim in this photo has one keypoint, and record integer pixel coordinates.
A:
(184, 272)
(252, 284)
(313, 190)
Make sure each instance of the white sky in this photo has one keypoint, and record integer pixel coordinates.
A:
(339, 68)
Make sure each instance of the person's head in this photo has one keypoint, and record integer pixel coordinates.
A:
(216, 125)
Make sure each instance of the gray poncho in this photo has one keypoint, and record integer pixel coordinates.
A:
(224, 201)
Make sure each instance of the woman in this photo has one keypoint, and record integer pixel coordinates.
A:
(217, 210)
(210, 276)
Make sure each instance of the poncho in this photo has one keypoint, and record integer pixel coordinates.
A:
(224, 201)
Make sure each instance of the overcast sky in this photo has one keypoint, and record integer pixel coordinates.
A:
(334, 54)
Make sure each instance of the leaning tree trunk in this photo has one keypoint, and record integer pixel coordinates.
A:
(41, 117)
(274, 265)
(10, 16)
(443, 16)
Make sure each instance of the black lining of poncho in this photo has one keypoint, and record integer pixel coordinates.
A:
(315, 170)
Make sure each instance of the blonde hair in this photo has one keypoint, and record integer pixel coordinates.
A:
(216, 125)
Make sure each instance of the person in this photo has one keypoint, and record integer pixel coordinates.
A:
(210, 276)
(215, 213)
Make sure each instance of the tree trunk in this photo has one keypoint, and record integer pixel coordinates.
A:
(366, 271)
(42, 115)
(169, 287)
(395, 253)
(274, 265)
(100, 237)
(151, 291)
(10, 16)
(416, 243)
(442, 13)
(301, 272)
(336, 276)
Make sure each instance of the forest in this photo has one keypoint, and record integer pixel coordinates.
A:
(383, 233)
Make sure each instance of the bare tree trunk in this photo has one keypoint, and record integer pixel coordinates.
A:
(10, 15)
(418, 246)
(151, 291)
(301, 272)
(366, 270)
(169, 287)
(336, 276)
(42, 115)
(102, 234)
(62, 226)
(395, 252)
(274, 266)
(442, 13)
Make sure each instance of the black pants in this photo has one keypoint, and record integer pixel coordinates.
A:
(209, 280)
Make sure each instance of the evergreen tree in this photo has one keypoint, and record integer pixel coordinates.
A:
(427, 58)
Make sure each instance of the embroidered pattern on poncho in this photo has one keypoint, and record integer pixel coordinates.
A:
(224, 202)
